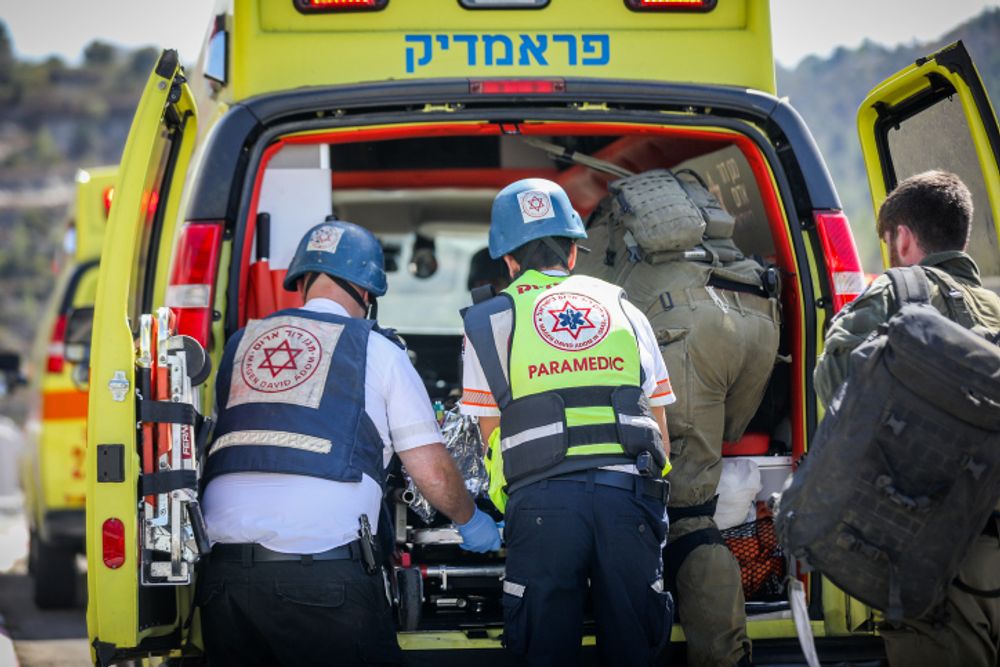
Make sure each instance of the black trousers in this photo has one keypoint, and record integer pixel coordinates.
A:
(565, 537)
(290, 613)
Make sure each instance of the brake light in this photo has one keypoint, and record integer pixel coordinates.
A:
(671, 5)
(842, 260)
(57, 346)
(327, 6)
(190, 291)
(109, 197)
(516, 86)
(113, 543)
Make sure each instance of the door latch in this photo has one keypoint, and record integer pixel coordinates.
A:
(119, 386)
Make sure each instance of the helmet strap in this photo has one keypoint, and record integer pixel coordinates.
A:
(533, 247)
(353, 293)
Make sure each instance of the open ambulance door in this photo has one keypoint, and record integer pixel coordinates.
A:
(125, 619)
(935, 114)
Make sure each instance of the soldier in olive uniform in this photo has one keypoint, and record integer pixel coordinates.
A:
(926, 222)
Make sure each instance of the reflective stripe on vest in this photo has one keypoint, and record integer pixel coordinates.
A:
(290, 390)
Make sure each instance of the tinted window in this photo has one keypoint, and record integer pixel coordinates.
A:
(939, 138)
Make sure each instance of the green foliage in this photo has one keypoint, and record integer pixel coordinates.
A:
(99, 54)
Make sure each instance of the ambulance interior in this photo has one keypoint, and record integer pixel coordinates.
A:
(428, 199)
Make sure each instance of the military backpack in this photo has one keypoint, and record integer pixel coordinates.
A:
(904, 471)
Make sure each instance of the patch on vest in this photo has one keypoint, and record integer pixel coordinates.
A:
(281, 361)
(535, 205)
(571, 322)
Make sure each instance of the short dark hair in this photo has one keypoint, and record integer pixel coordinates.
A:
(935, 205)
(538, 255)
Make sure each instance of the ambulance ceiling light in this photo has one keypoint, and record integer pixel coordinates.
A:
(329, 6)
(671, 5)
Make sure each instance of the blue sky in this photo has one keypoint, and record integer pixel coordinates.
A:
(801, 27)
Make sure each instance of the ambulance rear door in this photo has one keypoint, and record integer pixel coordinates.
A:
(125, 619)
(935, 114)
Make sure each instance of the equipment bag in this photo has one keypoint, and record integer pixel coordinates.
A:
(904, 471)
(657, 211)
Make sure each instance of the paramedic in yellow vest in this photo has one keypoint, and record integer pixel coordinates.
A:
(570, 373)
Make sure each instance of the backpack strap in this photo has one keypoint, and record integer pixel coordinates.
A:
(910, 285)
(954, 298)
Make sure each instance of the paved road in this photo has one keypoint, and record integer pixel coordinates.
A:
(49, 638)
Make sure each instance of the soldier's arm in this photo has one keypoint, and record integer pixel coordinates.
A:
(849, 329)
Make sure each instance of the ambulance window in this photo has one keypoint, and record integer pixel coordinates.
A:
(153, 204)
(939, 138)
(418, 303)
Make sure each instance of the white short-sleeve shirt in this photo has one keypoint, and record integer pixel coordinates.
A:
(302, 514)
(477, 399)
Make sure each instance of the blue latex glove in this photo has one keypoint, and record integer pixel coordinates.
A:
(480, 533)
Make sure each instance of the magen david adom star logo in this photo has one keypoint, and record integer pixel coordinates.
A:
(281, 359)
(535, 205)
(571, 322)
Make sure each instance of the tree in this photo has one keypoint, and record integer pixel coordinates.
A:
(99, 53)
(7, 59)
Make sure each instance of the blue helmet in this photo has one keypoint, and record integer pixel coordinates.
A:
(341, 249)
(530, 209)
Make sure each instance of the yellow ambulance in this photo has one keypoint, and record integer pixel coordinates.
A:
(53, 467)
(407, 116)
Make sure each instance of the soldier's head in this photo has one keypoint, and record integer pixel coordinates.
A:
(926, 213)
(534, 226)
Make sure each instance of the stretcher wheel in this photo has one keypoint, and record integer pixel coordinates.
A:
(199, 365)
(410, 586)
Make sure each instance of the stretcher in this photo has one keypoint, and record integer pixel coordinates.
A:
(169, 369)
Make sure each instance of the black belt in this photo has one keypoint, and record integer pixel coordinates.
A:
(258, 553)
(654, 488)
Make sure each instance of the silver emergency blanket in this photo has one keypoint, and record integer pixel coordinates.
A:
(461, 438)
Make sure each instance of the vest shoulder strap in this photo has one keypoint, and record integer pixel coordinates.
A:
(479, 329)
(390, 335)
(482, 293)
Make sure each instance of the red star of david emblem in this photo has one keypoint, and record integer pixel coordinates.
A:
(572, 320)
(536, 203)
(269, 354)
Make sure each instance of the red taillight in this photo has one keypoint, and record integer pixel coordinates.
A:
(671, 5)
(323, 6)
(109, 196)
(517, 86)
(841, 255)
(113, 543)
(190, 291)
(57, 346)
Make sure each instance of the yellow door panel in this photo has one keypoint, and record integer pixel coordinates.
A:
(142, 220)
(935, 114)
